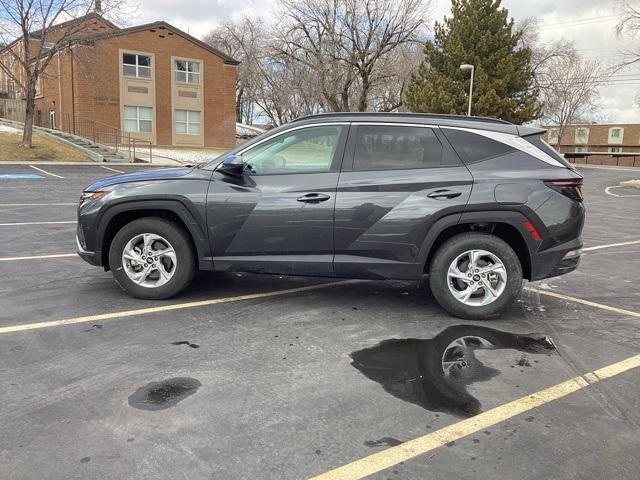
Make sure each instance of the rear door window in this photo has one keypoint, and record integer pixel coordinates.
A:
(473, 147)
(384, 147)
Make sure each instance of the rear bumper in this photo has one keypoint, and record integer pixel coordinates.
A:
(556, 261)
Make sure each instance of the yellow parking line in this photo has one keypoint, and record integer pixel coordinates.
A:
(38, 257)
(45, 172)
(589, 303)
(167, 308)
(392, 456)
(608, 192)
(610, 245)
(32, 223)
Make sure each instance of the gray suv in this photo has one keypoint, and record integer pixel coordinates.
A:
(476, 204)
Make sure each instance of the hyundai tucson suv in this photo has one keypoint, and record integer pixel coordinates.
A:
(476, 204)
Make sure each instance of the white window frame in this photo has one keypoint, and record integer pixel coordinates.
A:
(618, 139)
(615, 149)
(189, 75)
(137, 119)
(553, 136)
(137, 65)
(581, 149)
(582, 139)
(188, 122)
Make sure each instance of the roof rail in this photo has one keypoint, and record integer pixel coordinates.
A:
(442, 116)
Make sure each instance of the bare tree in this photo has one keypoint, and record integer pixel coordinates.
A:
(343, 42)
(568, 83)
(628, 26)
(544, 54)
(34, 32)
(570, 89)
(392, 76)
(246, 41)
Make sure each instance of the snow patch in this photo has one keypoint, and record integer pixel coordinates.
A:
(8, 129)
(187, 156)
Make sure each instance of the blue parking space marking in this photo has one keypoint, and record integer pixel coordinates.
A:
(20, 176)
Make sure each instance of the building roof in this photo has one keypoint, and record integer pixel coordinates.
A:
(162, 25)
(68, 23)
(76, 21)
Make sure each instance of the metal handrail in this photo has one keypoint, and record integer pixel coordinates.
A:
(92, 130)
(104, 134)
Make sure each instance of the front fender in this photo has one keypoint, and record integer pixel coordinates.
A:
(190, 217)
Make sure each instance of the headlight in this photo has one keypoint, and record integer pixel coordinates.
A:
(86, 196)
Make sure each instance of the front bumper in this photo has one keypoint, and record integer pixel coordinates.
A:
(553, 262)
(87, 256)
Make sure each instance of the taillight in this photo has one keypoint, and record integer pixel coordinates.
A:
(569, 188)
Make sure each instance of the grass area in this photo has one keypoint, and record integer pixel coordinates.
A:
(43, 149)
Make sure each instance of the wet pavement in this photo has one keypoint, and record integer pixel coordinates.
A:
(294, 385)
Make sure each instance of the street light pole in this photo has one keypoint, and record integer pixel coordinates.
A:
(466, 66)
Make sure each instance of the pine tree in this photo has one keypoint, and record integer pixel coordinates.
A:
(478, 32)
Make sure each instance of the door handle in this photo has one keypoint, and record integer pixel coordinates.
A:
(313, 198)
(442, 194)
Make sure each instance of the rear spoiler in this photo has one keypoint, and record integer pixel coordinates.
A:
(530, 131)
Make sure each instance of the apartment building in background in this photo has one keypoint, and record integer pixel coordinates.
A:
(595, 138)
(154, 81)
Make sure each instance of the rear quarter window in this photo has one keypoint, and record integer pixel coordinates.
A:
(473, 148)
(540, 144)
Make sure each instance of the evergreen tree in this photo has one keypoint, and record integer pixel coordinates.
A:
(478, 32)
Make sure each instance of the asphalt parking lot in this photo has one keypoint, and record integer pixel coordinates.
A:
(292, 378)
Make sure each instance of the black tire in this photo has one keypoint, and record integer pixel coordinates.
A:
(455, 246)
(182, 245)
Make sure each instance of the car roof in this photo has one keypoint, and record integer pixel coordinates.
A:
(480, 123)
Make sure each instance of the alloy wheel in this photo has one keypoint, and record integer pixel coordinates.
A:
(149, 260)
(477, 278)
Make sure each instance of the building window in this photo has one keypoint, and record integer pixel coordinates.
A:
(187, 122)
(616, 134)
(138, 119)
(582, 135)
(187, 71)
(553, 136)
(581, 149)
(615, 149)
(134, 65)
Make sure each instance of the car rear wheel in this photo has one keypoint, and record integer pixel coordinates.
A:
(152, 258)
(475, 276)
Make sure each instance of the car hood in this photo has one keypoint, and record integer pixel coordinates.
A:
(144, 176)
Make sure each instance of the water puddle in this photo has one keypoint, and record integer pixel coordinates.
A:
(164, 394)
(435, 373)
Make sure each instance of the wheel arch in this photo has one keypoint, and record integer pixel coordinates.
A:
(508, 226)
(119, 215)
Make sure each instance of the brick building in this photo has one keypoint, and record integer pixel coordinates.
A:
(596, 138)
(153, 80)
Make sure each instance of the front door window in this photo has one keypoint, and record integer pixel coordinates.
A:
(304, 150)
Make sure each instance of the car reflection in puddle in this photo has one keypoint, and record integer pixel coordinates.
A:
(435, 373)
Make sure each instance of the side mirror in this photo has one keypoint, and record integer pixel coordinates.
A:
(232, 165)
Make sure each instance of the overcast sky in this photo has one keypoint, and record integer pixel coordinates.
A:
(588, 23)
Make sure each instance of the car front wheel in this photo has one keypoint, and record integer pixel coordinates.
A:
(475, 276)
(152, 258)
